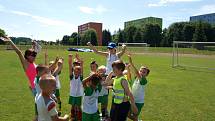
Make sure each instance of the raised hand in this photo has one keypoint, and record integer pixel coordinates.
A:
(5, 39)
(70, 57)
(89, 44)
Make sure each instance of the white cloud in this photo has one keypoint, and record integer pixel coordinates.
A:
(206, 9)
(165, 2)
(89, 10)
(43, 20)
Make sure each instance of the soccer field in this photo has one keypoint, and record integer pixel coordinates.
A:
(172, 94)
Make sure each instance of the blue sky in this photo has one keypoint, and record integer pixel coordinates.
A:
(51, 19)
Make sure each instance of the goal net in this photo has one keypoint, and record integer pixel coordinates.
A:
(134, 47)
(194, 54)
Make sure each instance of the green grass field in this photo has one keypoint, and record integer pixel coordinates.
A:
(172, 94)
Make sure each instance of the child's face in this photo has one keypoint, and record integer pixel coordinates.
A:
(77, 72)
(117, 71)
(50, 88)
(44, 71)
(101, 71)
(93, 67)
(143, 72)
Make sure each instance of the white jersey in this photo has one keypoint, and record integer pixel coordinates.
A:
(46, 108)
(110, 59)
(90, 103)
(58, 86)
(103, 91)
(76, 86)
(138, 91)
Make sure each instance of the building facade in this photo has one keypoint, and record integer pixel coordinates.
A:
(92, 25)
(144, 21)
(209, 18)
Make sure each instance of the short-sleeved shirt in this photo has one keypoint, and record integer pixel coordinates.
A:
(138, 89)
(76, 86)
(46, 108)
(90, 100)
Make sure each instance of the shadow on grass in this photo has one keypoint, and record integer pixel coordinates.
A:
(196, 69)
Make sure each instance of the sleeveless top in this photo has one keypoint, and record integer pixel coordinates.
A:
(110, 59)
(31, 74)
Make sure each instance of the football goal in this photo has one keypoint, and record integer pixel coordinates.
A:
(193, 54)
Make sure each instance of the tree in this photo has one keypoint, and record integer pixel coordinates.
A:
(188, 31)
(199, 36)
(138, 36)
(106, 37)
(89, 35)
(65, 40)
(2, 33)
(164, 41)
(152, 34)
(129, 33)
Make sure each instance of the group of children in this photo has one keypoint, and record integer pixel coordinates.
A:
(87, 93)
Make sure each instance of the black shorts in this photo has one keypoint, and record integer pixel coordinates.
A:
(119, 112)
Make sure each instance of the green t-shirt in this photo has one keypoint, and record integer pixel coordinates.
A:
(88, 91)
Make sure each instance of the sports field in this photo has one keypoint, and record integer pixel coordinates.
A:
(172, 94)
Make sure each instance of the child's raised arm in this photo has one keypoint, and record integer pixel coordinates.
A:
(46, 57)
(128, 72)
(59, 67)
(134, 68)
(77, 57)
(120, 54)
(52, 66)
(70, 64)
(109, 79)
(96, 51)
(18, 52)
(86, 80)
(36, 47)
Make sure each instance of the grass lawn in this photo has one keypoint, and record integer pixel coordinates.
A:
(172, 94)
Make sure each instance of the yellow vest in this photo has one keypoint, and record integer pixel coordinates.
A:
(119, 92)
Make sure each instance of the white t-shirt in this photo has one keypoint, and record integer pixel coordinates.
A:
(76, 86)
(90, 101)
(138, 91)
(110, 59)
(103, 91)
(46, 108)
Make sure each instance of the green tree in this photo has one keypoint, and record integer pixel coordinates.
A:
(164, 41)
(106, 37)
(199, 36)
(188, 31)
(152, 34)
(89, 36)
(138, 36)
(129, 33)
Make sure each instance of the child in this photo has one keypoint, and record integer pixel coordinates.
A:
(56, 72)
(123, 98)
(46, 106)
(76, 87)
(138, 86)
(93, 67)
(103, 95)
(111, 55)
(90, 99)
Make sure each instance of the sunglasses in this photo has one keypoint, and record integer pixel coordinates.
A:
(33, 54)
